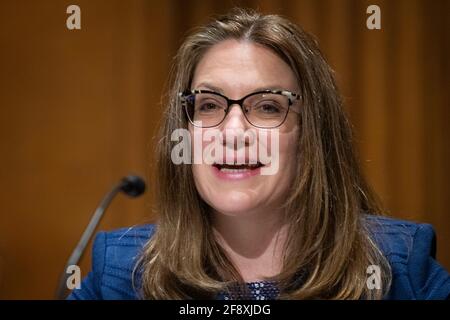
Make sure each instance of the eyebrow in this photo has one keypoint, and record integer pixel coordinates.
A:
(209, 87)
(214, 88)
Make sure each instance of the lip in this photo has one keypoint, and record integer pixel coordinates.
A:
(234, 176)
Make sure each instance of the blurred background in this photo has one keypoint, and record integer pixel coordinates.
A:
(79, 109)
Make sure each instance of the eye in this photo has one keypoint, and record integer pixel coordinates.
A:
(208, 107)
(268, 107)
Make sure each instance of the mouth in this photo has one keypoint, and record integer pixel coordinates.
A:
(237, 168)
(236, 171)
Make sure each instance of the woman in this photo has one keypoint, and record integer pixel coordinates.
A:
(298, 224)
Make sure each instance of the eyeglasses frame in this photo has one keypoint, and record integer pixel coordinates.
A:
(292, 97)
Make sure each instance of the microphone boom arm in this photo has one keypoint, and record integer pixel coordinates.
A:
(132, 186)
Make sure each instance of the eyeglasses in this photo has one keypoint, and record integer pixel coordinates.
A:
(263, 109)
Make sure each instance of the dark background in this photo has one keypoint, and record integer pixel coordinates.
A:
(78, 110)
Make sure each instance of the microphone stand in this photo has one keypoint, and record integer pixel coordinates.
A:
(132, 186)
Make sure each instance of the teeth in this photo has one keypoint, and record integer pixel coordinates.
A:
(233, 170)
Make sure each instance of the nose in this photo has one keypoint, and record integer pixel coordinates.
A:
(235, 119)
(233, 127)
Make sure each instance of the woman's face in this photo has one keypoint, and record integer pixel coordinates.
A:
(236, 69)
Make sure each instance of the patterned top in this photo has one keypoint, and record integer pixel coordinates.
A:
(258, 290)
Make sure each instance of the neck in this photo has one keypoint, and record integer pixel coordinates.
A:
(254, 242)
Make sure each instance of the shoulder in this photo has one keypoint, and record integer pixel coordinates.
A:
(114, 257)
(410, 249)
(395, 237)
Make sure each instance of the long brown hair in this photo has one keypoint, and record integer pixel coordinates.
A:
(328, 246)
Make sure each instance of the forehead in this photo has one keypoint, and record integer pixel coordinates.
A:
(239, 67)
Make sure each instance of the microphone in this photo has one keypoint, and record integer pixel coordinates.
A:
(132, 186)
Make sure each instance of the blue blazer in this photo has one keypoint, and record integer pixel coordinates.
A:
(409, 247)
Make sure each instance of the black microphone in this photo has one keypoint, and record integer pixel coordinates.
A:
(132, 186)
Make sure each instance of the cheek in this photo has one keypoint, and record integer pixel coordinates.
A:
(282, 148)
(289, 139)
(288, 157)
(198, 170)
(203, 142)
(288, 145)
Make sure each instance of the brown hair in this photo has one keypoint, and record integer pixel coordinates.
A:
(328, 246)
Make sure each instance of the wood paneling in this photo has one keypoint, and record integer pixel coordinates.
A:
(79, 109)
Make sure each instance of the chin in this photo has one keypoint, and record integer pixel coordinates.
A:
(233, 207)
(232, 212)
